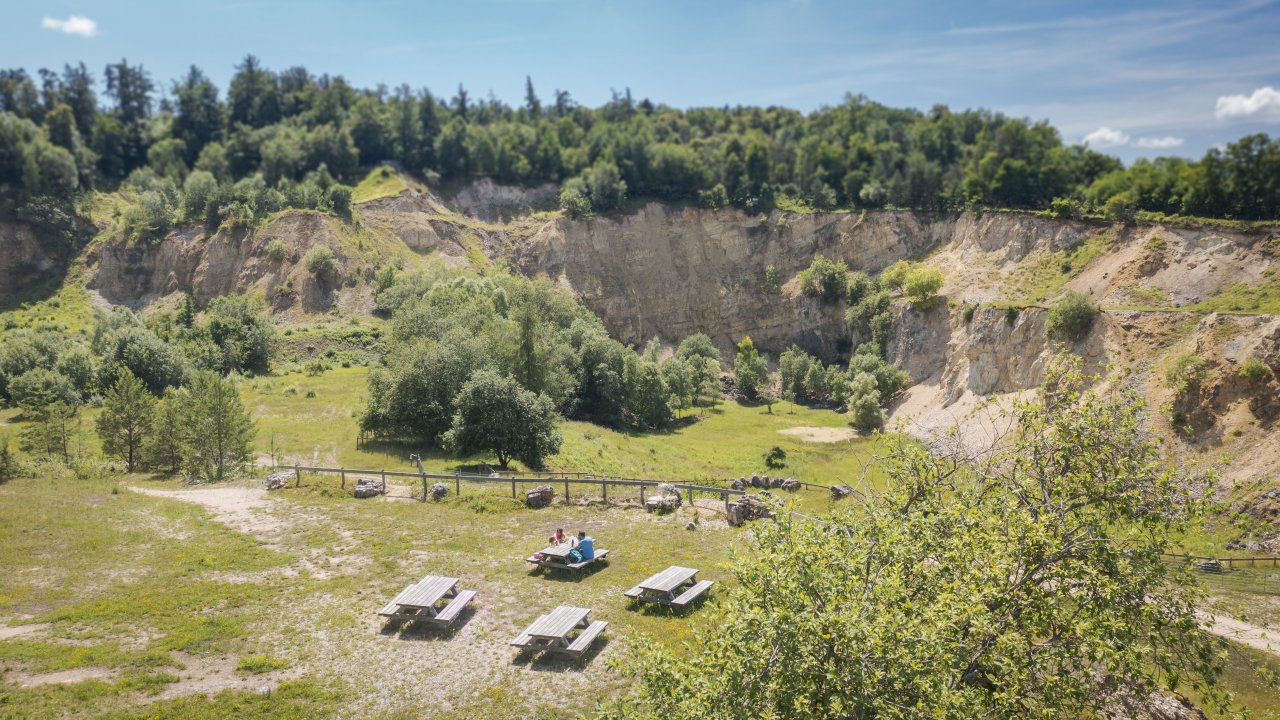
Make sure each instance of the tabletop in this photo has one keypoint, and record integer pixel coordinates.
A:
(559, 622)
(669, 579)
(560, 551)
(427, 592)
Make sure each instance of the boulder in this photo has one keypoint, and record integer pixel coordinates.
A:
(749, 507)
(756, 482)
(279, 480)
(775, 482)
(841, 491)
(667, 499)
(369, 487)
(790, 485)
(439, 491)
(740, 484)
(540, 496)
(691, 526)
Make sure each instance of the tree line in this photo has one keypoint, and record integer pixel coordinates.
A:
(293, 139)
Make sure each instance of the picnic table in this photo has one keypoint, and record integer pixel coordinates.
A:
(420, 601)
(557, 557)
(551, 632)
(676, 586)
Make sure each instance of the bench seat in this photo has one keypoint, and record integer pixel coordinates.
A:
(392, 609)
(455, 606)
(566, 566)
(634, 592)
(584, 639)
(692, 593)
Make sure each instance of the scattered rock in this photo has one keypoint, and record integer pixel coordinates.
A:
(841, 491)
(439, 491)
(790, 485)
(775, 482)
(279, 480)
(740, 484)
(691, 526)
(757, 483)
(749, 507)
(540, 496)
(370, 487)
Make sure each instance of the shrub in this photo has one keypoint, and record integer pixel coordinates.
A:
(1186, 373)
(1120, 207)
(825, 279)
(921, 286)
(1010, 315)
(573, 200)
(770, 282)
(1254, 369)
(321, 261)
(276, 251)
(969, 310)
(340, 200)
(1071, 317)
(775, 458)
(895, 275)
(715, 198)
(9, 466)
(1065, 208)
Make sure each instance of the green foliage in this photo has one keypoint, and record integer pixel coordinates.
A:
(40, 387)
(125, 423)
(825, 279)
(921, 286)
(990, 593)
(243, 333)
(163, 447)
(865, 410)
(277, 252)
(495, 414)
(574, 201)
(775, 457)
(969, 310)
(321, 262)
(1186, 373)
(750, 372)
(1010, 315)
(1120, 207)
(1066, 208)
(770, 280)
(259, 664)
(1071, 317)
(893, 277)
(1255, 369)
(217, 430)
(871, 318)
(10, 467)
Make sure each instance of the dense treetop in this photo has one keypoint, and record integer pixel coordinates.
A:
(290, 139)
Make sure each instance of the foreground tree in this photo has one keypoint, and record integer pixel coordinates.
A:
(218, 430)
(494, 413)
(750, 371)
(1022, 583)
(125, 422)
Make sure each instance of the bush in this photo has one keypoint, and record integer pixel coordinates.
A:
(340, 200)
(1010, 315)
(825, 279)
(573, 200)
(9, 467)
(775, 458)
(892, 277)
(321, 261)
(1254, 369)
(1066, 208)
(1071, 317)
(969, 310)
(1120, 207)
(750, 372)
(715, 198)
(276, 251)
(864, 403)
(1186, 373)
(921, 286)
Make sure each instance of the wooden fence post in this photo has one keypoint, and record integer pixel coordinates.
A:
(513, 487)
(297, 471)
(424, 487)
(604, 490)
(457, 484)
(343, 473)
(566, 489)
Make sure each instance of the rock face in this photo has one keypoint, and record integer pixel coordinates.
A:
(839, 492)
(540, 497)
(490, 201)
(369, 487)
(25, 261)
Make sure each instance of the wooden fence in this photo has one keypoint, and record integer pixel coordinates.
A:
(1206, 563)
(529, 478)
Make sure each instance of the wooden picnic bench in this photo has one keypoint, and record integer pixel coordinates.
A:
(669, 587)
(419, 602)
(550, 632)
(557, 557)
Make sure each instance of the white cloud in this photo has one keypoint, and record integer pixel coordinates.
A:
(73, 25)
(1159, 143)
(1105, 137)
(1264, 101)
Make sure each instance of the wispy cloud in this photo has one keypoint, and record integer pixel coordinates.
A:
(1105, 137)
(1159, 143)
(1264, 102)
(73, 25)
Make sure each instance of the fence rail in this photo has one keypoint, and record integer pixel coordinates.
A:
(1230, 562)
(531, 478)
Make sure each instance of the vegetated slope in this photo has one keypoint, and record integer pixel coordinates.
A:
(672, 270)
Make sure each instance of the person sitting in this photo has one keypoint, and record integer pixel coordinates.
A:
(585, 546)
(558, 538)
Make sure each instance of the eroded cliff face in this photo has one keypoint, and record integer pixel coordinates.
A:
(25, 262)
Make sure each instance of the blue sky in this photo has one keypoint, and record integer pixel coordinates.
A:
(1135, 78)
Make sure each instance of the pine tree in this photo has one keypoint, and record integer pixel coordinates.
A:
(125, 422)
(217, 431)
(164, 443)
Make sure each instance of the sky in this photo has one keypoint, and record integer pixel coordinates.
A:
(1133, 79)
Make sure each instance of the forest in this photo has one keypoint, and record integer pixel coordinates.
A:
(277, 139)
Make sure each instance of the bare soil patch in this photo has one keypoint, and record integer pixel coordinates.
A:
(820, 434)
(62, 677)
(7, 633)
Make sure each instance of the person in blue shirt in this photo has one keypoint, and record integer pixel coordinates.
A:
(584, 547)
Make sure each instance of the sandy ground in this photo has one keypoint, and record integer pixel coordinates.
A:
(1254, 636)
(820, 434)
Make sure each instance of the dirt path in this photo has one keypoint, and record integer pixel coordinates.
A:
(1254, 636)
(245, 509)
